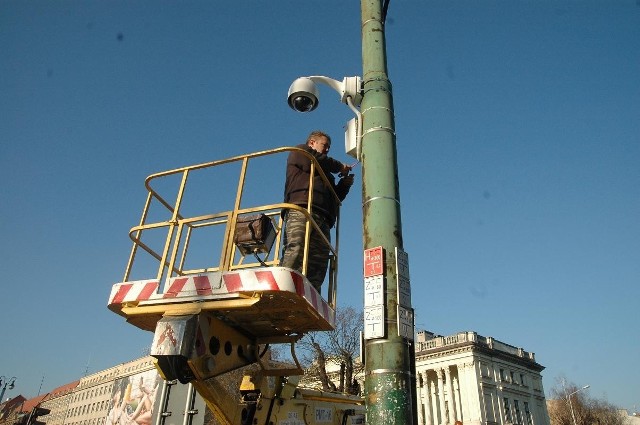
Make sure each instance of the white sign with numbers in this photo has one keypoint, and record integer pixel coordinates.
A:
(373, 291)
(404, 283)
(374, 322)
(405, 323)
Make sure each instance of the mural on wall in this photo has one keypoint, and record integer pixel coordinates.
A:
(133, 399)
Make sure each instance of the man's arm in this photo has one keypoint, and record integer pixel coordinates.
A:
(343, 186)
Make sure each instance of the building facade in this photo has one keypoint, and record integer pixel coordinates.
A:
(463, 378)
(131, 393)
(472, 379)
(57, 401)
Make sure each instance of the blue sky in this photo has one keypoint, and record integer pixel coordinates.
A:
(518, 150)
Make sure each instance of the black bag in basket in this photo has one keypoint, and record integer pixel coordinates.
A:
(254, 233)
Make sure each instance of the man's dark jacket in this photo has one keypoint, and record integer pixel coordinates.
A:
(296, 189)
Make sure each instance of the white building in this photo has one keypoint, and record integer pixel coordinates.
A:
(131, 393)
(474, 379)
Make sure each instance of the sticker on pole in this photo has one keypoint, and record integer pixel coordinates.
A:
(405, 323)
(374, 322)
(373, 261)
(373, 291)
(404, 283)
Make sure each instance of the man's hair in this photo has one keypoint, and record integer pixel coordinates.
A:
(315, 134)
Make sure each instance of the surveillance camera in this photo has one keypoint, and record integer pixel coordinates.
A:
(303, 95)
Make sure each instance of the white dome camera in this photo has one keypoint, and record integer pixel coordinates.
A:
(303, 95)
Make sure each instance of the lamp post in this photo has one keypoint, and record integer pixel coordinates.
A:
(573, 416)
(389, 354)
(4, 383)
(390, 383)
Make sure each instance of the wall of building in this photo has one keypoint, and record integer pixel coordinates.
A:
(473, 379)
(131, 393)
(463, 377)
(477, 380)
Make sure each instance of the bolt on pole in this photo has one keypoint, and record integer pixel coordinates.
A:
(390, 383)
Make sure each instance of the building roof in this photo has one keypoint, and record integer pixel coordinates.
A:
(33, 402)
(56, 392)
(63, 389)
(428, 344)
(9, 407)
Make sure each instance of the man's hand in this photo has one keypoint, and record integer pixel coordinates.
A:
(345, 170)
(347, 180)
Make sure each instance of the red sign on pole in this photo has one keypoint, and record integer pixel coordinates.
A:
(373, 261)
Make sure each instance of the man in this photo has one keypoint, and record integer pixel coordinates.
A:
(324, 207)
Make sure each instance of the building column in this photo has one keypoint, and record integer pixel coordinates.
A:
(434, 403)
(500, 396)
(420, 383)
(452, 398)
(456, 398)
(475, 396)
(443, 406)
(464, 393)
(426, 391)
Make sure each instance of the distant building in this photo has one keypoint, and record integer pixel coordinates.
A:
(632, 419)
(109, 396)
(477, 380)
(335, 373)
(131, 393)
(469, 378)
(11, 409)
(463, 377)
(58, 402)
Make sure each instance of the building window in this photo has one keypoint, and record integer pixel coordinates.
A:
(507, 410)
(502, 376)
(513, 379)
(527, 414)
(518, 415)
(484, 370)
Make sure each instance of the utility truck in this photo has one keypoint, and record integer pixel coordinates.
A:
(203, 275)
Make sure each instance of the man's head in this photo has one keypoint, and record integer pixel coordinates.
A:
(319, 141)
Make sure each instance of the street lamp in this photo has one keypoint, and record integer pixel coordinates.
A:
(388, 351)
(573, 416)
(11, 383)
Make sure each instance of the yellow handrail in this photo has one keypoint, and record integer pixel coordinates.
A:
(180, 227)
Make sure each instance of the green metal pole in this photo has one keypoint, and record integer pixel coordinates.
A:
(390, 391)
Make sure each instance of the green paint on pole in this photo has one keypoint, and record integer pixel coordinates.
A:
(390, 392)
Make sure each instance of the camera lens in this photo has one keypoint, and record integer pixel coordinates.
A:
(303, 104)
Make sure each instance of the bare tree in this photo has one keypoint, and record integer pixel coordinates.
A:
(314, 359)
(571, 405)
(340, 346)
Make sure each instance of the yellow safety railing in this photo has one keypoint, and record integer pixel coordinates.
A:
(172, 250)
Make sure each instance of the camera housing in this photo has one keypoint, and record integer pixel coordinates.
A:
(303, 95)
